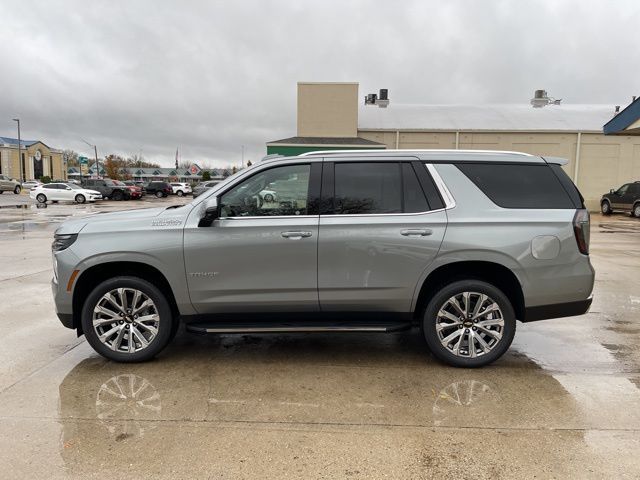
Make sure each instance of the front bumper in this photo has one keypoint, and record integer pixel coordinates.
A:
(557, 310)
(62, 301)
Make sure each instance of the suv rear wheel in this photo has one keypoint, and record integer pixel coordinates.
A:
(636, 210)
(127, 319)
(469, 323)
(117, 195)
(17, 190)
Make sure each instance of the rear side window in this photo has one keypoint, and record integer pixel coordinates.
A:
(414, 199)
(518, 185)
(367, 188)
(361, 188)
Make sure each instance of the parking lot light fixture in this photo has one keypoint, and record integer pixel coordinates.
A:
(19, 151)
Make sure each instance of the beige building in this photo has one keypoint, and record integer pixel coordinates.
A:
(38, 160)
(597, 162)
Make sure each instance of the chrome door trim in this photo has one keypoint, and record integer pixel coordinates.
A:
(449, 201)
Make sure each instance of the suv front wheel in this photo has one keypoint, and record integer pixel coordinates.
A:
(127, 319)
(469, 323)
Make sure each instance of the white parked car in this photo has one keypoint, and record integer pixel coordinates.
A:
(64, 192)
(181, 189)
(31, 184)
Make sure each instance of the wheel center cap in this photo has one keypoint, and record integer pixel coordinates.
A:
(468, 324)
(128, 318)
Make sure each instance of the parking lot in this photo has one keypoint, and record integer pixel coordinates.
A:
(564, 402)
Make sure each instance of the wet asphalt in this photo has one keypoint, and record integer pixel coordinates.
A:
(564, 402)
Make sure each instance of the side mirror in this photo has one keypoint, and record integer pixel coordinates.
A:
(68, 188)
(612, 191)
(211, 213)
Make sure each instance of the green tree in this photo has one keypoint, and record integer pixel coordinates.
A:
(206, 175)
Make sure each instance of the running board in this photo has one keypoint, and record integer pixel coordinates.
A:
(296, 327)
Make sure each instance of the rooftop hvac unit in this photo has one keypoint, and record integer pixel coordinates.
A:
(381, 100)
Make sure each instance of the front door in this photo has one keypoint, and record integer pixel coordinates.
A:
(261, 254)
(381, 236)
(620, 198)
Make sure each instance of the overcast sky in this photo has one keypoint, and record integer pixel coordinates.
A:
(209, 77)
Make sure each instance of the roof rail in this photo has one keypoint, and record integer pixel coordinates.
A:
(409, 152)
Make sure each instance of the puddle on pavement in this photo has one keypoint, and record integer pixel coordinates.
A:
(14, 207)
(620, 227)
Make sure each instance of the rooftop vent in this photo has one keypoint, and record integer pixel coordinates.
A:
(541, 99)
(381, 100)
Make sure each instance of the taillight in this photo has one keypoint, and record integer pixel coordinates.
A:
(581, 225)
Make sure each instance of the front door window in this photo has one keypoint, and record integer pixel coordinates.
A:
(274, 192)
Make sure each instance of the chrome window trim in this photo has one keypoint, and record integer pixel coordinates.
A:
(449, 201)
(263, 217)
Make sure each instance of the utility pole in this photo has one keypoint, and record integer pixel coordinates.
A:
(19, 150)
(95, 150)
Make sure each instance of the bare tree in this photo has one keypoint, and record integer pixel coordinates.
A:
(71, 157)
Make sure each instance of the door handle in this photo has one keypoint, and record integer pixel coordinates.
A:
(417, 232)
(296, 235)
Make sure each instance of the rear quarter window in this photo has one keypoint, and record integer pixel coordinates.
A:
(518, 185)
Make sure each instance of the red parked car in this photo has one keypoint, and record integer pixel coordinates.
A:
(135, 191)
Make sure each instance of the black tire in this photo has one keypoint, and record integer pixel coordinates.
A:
(1, 192)
(159, 194)
(605, 207)
(41, 198)
(80, 198)
(17, 190)
(438, 301)
(180, 193)
(635, 212)
(117, 195)
(166, 324)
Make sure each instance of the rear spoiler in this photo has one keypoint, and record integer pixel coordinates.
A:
(556, 160)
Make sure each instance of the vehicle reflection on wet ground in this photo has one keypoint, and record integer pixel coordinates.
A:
(564, 402)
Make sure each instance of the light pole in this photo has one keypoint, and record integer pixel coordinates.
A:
(19, 151)
(95, 150)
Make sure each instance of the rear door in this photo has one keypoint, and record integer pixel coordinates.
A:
(630, 196)
(381, 225)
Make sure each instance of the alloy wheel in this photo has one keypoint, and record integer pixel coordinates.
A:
(470, 324)
(126, 320)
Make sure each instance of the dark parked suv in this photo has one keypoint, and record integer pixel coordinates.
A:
(108, 188)
(159, 189)
(625, 199)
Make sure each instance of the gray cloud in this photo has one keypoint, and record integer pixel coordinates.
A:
(211, 76)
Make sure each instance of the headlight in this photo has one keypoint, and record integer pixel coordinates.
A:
(60, 242)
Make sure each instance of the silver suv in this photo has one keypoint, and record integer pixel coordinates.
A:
(8, 184)
(459, 243)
